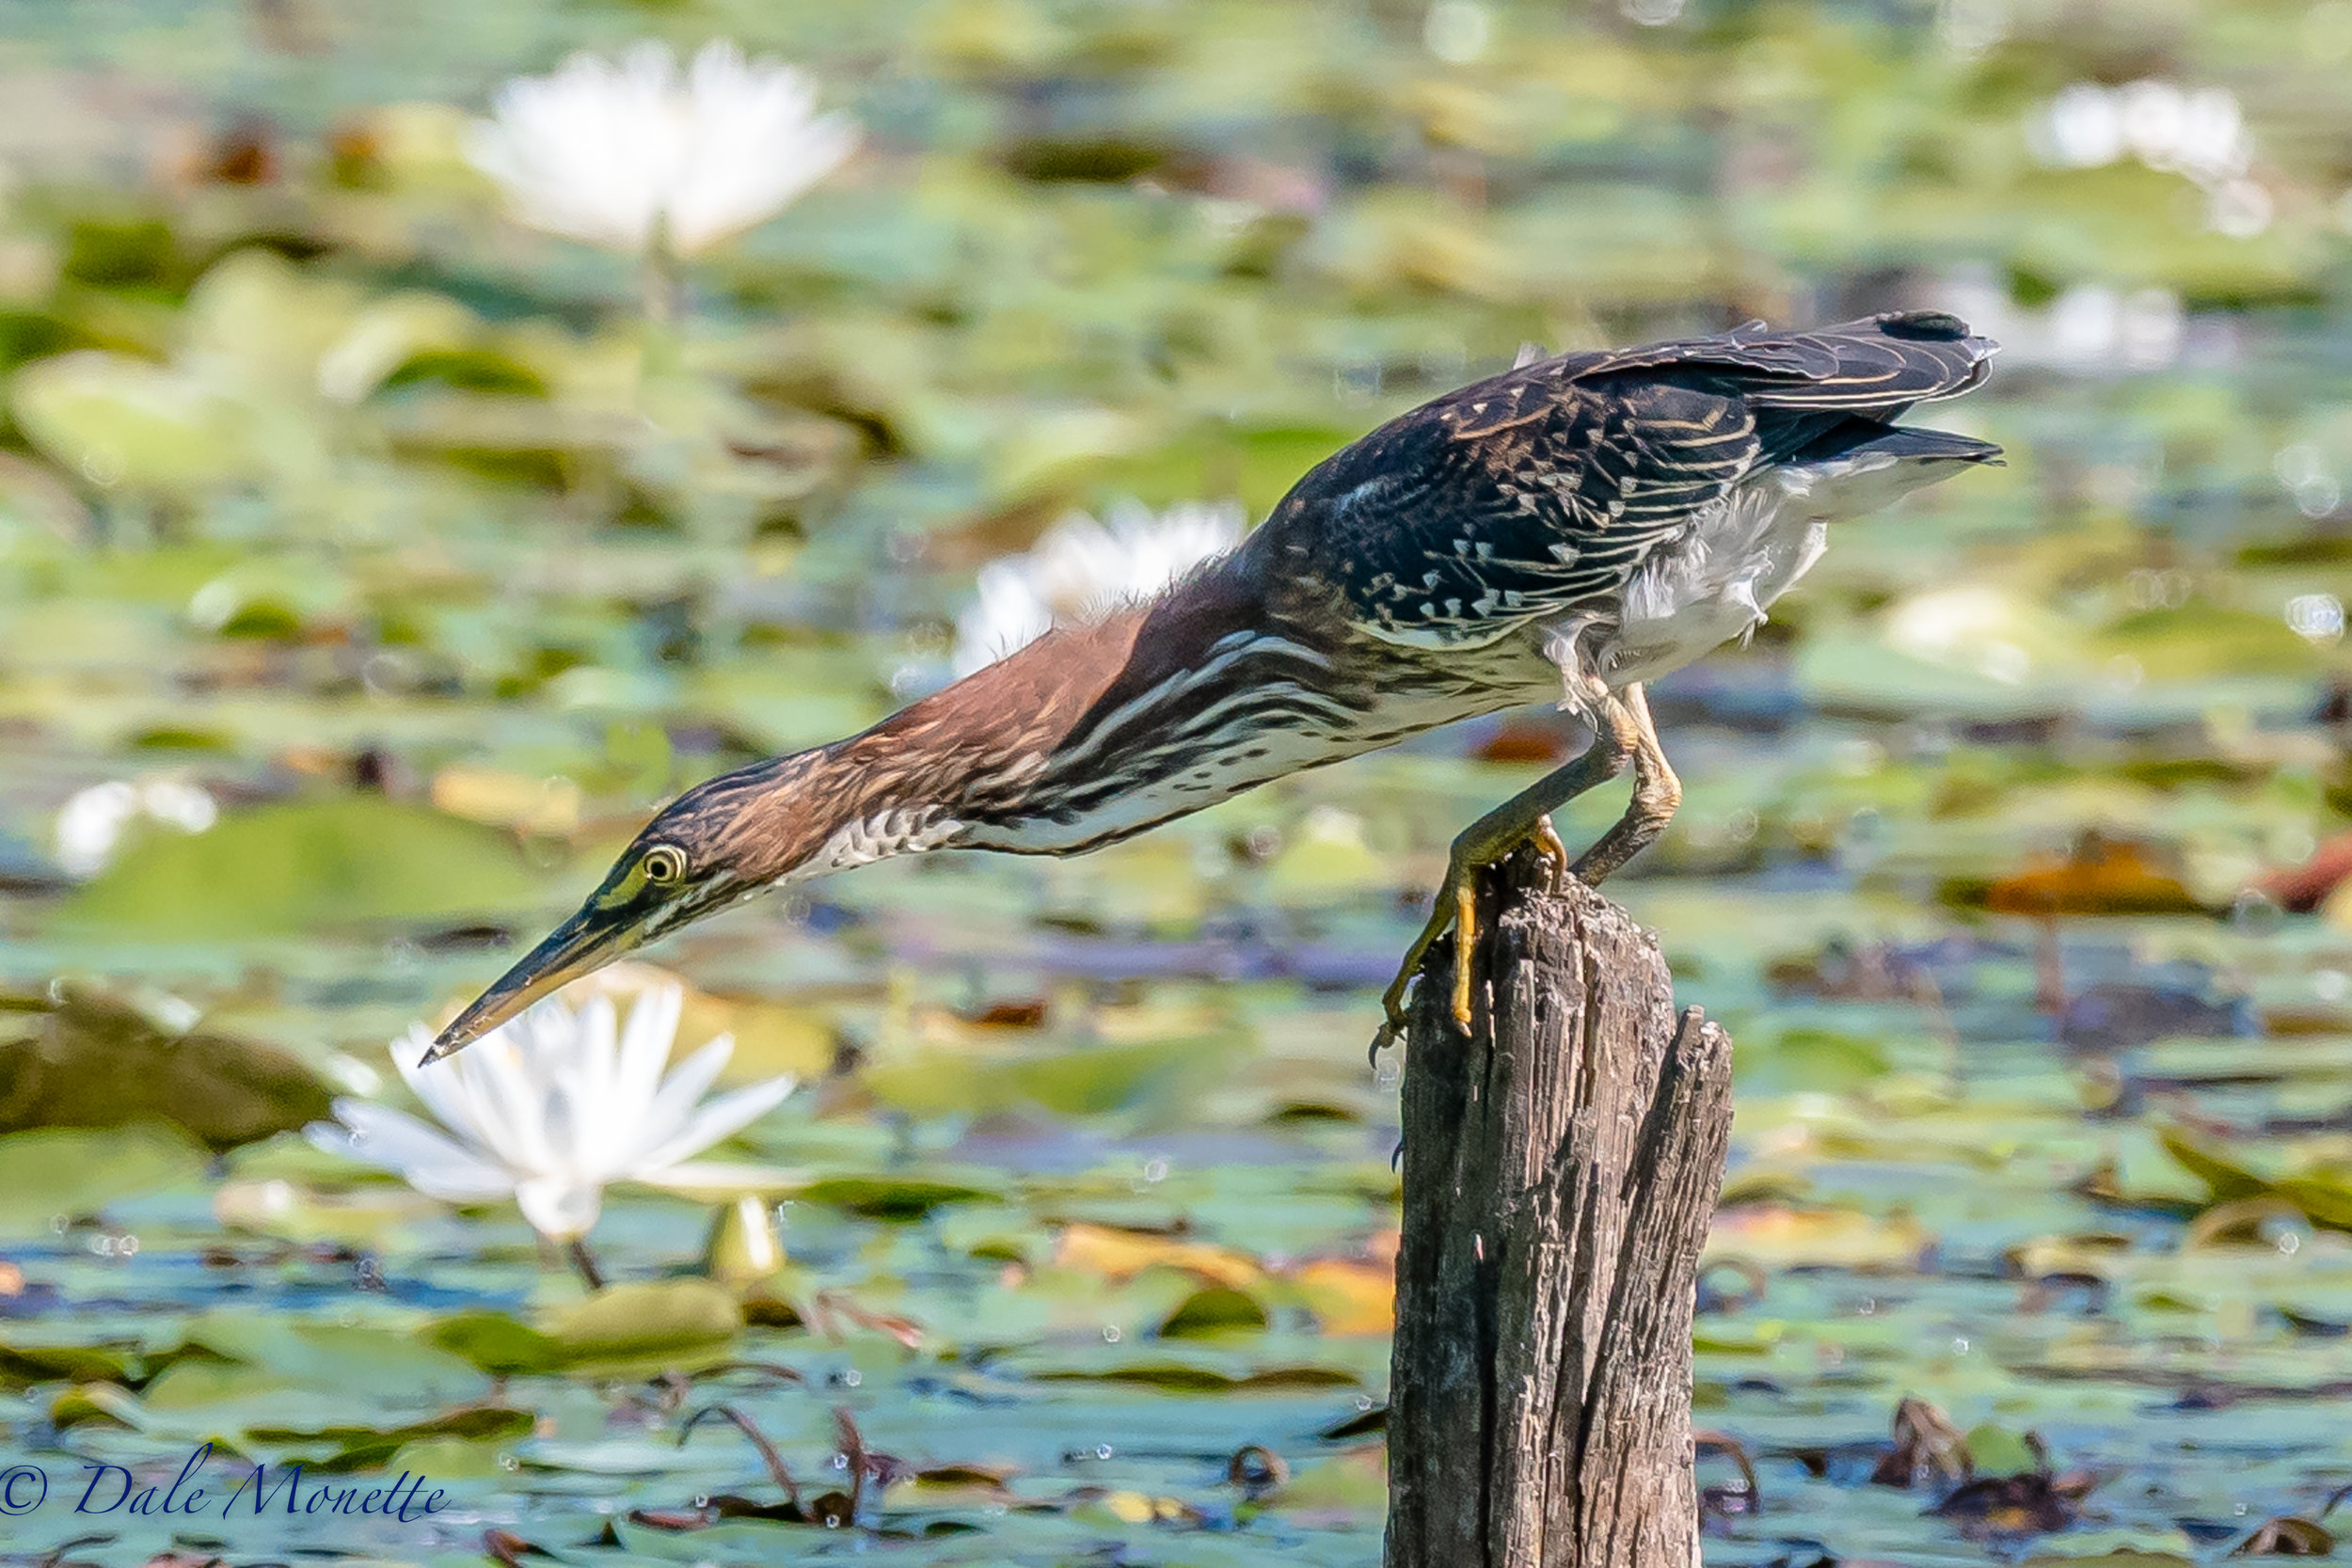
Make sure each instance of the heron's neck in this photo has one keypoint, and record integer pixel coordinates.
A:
(1052, 733)
(1095, 733)
(942, 767)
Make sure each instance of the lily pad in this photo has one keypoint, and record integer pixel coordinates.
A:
(647, 1322)
(305, 865)
(72, 1173)
(84, 1059)
(120, 420)
(1212, 1313)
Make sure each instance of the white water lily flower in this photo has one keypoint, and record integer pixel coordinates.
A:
(1081, 568)
(2196, 132)
(553, 1108)
(92, 825)
(2200, 132)
(2087, 329)
(627, 153)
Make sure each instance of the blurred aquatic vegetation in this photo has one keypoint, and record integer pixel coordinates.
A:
(65, 1174)
(371, 563)
(297, 867)
(2098, 875)
(70, 1057)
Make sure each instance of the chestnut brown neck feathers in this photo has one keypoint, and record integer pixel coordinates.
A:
(954, 767)
(1087, 736)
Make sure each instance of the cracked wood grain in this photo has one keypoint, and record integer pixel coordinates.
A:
(1560, 1166)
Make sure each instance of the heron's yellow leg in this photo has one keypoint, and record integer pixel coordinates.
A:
(1545, 838)
(1656, 793)
(1523, 818)
(1466, 932)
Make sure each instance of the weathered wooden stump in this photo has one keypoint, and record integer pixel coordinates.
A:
(1561, 1164)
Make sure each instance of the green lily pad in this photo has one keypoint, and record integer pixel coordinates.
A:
(366, 1447)
(119, 420)
(891, 1197)
(305, 865)
(1213, 1312)
(23, 1365)
(72, 1173)
(496, 1343)
(648, 1322)
(1808, 1060)
(87, 1060)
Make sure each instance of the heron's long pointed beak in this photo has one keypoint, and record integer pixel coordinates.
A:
(582, 944)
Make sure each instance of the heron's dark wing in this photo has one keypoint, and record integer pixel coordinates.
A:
(1879, 365)
(1543, 489)
(1470, 517)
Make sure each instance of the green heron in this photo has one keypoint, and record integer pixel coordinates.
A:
(1564, 532)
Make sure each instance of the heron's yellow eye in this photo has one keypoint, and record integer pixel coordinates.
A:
(663, 864)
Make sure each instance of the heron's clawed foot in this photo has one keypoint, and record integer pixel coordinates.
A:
(1548, 840)
(1524, 819)
(1392, 1001)
(1456, 907)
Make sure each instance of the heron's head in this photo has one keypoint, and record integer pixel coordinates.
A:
(718, 844)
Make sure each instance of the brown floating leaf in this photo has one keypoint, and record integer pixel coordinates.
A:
(993, 1478)
(718, 1509)
(1927, 1444)
(508, 1549)
(1350, 1297)
(1817, 1236)
(1524, 740)
(1123, 1254)
(2304, 888)
(671, 1518)
(2099, 876)
(1028, 1014)
(1256, 1469)
(2016, 1505)
(244, 151)
(2287, 1536)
